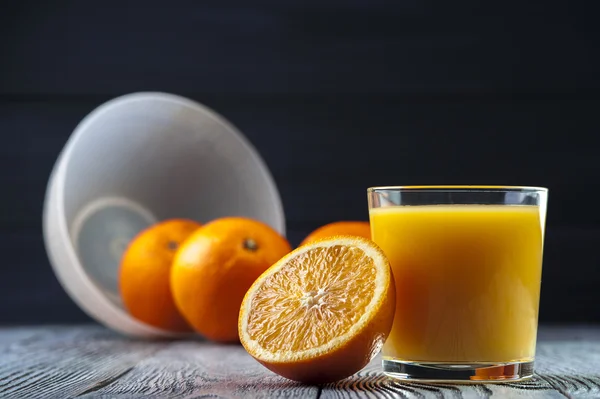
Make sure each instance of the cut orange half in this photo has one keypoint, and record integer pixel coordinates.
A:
(322, 312)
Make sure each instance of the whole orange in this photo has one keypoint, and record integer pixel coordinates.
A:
(351, 228)
(145, 271)
(214, 268)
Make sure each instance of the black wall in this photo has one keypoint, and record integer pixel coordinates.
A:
(336, 95)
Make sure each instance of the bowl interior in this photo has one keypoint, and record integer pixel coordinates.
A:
(150, 157)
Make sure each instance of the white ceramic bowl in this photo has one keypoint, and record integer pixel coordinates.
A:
(135, 160)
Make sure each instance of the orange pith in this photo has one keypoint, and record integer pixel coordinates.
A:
(322, 312)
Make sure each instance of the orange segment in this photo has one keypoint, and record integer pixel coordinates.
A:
(322, 312)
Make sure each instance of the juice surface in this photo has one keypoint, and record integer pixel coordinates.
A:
(467, 280)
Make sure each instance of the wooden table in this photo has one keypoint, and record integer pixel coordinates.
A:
(92, 362)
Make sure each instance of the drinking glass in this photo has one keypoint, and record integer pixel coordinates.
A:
(467, 264)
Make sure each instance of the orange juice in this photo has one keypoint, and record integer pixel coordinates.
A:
(467, 281)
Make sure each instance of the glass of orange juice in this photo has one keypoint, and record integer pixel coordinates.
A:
(467, 263)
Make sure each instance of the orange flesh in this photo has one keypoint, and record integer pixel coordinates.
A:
(316, 297)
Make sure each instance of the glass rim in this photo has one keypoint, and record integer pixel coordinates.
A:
(457, 188)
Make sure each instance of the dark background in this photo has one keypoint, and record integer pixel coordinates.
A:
(336, 96)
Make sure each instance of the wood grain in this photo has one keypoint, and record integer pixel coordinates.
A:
(571, 367)
(62, 362)
(91, 362)
(568, 364)
(199, 369)
(370, 382)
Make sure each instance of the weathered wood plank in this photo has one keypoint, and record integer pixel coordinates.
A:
(569, 359)
(62, 362)
(9, 335)
(568, 364)
(91, 362)
(199, 369)
(370, 382)
(571, 367)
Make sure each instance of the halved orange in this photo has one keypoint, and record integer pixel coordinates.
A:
(322, 312)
